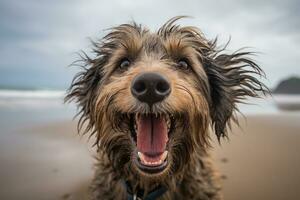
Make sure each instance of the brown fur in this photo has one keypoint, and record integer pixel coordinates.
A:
(203, 96)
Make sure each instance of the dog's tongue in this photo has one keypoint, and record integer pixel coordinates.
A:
(152, 135)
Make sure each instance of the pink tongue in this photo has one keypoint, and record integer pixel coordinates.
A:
(152, 135)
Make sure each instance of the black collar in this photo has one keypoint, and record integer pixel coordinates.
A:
(153, 195)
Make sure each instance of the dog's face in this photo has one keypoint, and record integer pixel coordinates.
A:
(154, 93)
(150, 97)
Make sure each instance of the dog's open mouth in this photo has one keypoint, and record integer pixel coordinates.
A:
(151, 134)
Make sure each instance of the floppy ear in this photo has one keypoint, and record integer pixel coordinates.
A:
(86, 84)
(232, 78)
(83, 89)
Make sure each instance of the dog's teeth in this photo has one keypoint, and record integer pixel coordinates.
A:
(140, 154)
(164, 156)
(168, 120)
(135, 127)
(154, 163)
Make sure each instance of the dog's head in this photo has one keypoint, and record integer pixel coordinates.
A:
(151, 97)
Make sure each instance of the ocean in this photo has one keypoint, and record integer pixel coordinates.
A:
(22, 107)
(18, 108)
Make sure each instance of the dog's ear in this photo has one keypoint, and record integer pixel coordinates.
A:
(84, 88)
(232, 78)
(86, 85)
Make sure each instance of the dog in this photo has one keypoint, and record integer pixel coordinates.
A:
(151, 99)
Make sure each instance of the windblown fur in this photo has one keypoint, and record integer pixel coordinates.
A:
(204, 97)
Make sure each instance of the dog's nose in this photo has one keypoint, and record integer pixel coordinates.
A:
(150, 87)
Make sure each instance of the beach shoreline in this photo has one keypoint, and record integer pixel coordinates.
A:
(50, 161)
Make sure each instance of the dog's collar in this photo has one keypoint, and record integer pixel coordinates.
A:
(139, 195)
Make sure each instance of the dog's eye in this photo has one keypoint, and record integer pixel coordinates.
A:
(183, 64)
(124, 64)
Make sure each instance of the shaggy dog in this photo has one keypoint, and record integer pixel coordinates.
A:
(151, 99)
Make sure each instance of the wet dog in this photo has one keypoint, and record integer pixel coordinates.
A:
(151, 99)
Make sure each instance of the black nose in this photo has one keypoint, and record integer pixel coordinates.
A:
(150, 87)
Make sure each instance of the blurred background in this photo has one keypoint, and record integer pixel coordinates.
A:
(42, 157)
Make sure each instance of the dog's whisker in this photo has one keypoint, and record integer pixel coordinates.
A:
(181, 87)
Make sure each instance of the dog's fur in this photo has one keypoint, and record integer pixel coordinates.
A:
(204, 95)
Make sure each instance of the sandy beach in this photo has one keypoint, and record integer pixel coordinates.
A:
(261, 161)
(60, 60)
(50, 161)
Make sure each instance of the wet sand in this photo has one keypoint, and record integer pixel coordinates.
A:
(262, 160)
(50, 161)
(45, 162)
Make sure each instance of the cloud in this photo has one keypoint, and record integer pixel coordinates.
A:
(40, 37)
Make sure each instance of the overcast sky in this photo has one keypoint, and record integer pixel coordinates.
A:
(39, 38)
